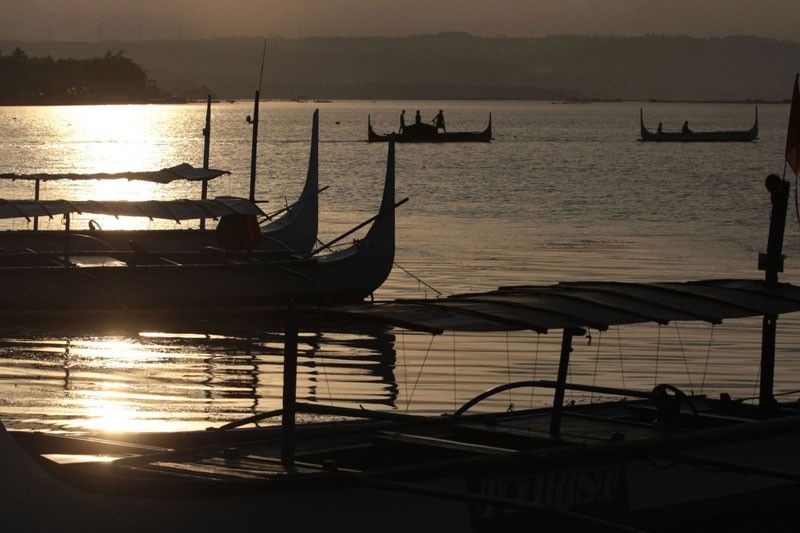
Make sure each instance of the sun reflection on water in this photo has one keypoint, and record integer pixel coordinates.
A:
(108, 138)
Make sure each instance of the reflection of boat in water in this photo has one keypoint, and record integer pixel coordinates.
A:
(659, 458)
(699, 136)
(47, 282)
(234, 376)
(427, 133)
(292, 229)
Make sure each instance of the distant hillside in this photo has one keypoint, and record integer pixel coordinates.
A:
(462, 66)
(44, 80)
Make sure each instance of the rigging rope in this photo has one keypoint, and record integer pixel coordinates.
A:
(405, 368)
(756, 384)
(596, 363)
(535, 365)
(455, 383)
(419, 280)
(658, 349)
(685, 362)
(708, 355)
(796, 208)
(419, 375)
(621, 366)
(508, 370)
(325, 373)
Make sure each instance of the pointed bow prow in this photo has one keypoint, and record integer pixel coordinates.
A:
(312, 177)
(387, 202)
(382, 229)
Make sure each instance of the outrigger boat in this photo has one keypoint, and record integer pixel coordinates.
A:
(289, 230)
(427, 133)
(174, 282)
(698, 136)
(659, 459)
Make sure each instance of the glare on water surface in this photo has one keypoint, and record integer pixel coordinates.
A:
(564, 193)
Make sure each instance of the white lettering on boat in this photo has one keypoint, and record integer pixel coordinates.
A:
(556, 488)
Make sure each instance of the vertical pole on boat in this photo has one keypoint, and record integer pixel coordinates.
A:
(561, 380)
(254, 149)
(289, 386)
(36, 197)
(772, 264)
(206, 149)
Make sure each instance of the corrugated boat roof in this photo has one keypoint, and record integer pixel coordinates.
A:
(165, 209)
(184, 171)
(596, 305)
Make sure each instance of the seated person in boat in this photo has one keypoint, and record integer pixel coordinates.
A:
(685, 128)
(402, 120)
(438, 122)
(418, 118)
(660, 129)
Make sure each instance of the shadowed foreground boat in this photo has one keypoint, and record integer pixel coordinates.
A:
(658, 459)
(112, 281)
(699, 136)
(292, 230)
(426, 133)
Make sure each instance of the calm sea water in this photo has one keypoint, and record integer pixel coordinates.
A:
(564, 193)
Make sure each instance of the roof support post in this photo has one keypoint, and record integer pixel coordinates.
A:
(36, 189)
(561, 380)
(289, 386)
(772, 263)
(206, 149)
(66, 238)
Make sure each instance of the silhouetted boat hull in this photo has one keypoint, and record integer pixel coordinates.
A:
(293, 232)
(350, 274)
(699, 136)
(426, 133)
(658, 458)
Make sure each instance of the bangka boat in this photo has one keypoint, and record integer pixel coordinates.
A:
(290, 230)
(142, 281)
(659, 459)
(698, 136)
(427, 133)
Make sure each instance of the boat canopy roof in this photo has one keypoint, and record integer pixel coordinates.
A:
(165, 209)
(184, 171)
(579, 305)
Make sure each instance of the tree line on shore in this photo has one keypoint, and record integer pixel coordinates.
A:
(112, 78)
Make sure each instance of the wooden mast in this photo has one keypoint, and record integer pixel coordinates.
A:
(772, 263)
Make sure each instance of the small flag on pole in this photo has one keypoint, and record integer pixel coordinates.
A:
(793, 133)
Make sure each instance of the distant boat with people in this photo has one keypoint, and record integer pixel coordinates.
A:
(687, 135)
(422, 132)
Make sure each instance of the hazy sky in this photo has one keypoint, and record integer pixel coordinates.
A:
(133, 19)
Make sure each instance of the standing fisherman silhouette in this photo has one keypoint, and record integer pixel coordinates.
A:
(685, 128)
(418, 118)
(438, 122)
(660, 129)
(402, 120)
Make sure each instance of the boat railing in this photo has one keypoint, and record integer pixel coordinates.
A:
(548, 385)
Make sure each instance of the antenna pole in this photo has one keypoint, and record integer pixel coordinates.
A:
(254, 149)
